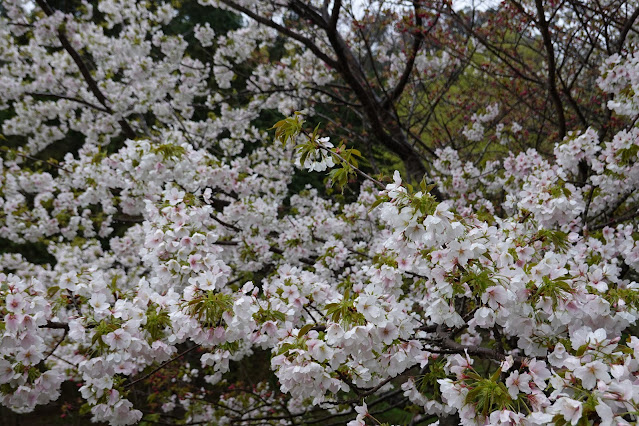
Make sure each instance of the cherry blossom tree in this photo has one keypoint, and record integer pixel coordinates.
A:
(186, 279)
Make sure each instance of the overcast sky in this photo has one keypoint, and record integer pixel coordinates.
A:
(457, 4)
(479, 4)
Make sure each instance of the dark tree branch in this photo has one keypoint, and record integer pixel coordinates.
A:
(383, 122)
(502, 55)
(58, 343)
(86, 74)
(572, 102)
(332, 24)
(69, 98)
(628, 216)
(552, 67)
(626, 28)
(417, 44)
(56, 325)
(454, 347)
(286, 31)
(161, 366)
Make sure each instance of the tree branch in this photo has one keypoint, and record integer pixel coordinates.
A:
(479, 351)
(552, 67)
(335, 14)
(56, 325)
(408, 69)
(69, 98)
(630, 215)
(161, 366)
(626, 28)
(295, 36)
(86, 74)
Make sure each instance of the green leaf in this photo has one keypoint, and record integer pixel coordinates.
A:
(331, 307)
(356, 152)
(496, 375)
(582, 349)
(288, 128)
(379, 201)
(304, 330)
(279, 316)
(85, 409)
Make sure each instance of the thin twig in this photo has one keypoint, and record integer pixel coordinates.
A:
(64, 336)
(29, 157)
(164, 364)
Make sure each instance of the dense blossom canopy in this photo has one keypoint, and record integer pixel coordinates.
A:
(180, 249)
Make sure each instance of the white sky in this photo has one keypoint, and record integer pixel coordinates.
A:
(457, 4)
(479, 4)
